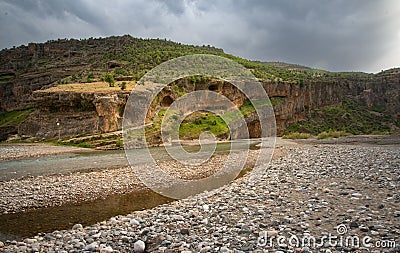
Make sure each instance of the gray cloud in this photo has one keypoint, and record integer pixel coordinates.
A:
(339, 35)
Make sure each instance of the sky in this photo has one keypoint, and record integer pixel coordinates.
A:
(335, 35)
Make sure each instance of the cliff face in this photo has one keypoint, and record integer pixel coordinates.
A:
(72, 113)
(80, 113)
(29, 68)
(380, 92)
(297, 101)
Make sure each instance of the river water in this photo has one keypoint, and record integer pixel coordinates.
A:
(81, 161)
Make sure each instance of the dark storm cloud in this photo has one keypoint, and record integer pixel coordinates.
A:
(330, 34)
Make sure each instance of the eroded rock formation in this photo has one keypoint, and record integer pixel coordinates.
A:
(73, 113)
(95, 112)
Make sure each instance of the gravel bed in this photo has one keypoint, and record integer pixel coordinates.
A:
(13, 151)
(18, 195)
(315, 191)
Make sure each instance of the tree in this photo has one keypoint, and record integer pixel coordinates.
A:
(108, 78)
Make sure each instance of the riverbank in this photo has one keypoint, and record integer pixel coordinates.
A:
(315, 190)
(29, 150)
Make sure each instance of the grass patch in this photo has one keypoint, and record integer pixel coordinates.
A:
(297, 135)
(247, 107)
(276, 100)
(331, 134)
(348, 118)
(119, 144)
(191, 127)
(43, 60)
(14, 118)
(200, 122)
(4, 78)
(71, 144)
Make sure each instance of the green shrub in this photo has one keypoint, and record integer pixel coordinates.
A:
(108, 78)
(123, 85)
(297, 135)
(13, 118)
(119, 143)
(331, 134)
(349, 117)
(89, 80)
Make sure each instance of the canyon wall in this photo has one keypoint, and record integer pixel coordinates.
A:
(73, 113)
(79, 113)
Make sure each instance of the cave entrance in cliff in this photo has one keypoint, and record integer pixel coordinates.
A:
(213, 87)
(254, 129)
(166, 101)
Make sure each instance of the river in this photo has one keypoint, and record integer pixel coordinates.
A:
(27, 224)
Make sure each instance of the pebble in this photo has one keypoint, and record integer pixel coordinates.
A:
(272, 233)
(77, 227)
(92, 247)
(224, 250)
(106, 249)
(134, 222)
(373, 232)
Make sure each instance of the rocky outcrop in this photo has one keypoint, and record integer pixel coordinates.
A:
(296, 101)
(73, 113)
(79, 113)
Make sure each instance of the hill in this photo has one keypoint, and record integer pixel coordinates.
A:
(33, 77)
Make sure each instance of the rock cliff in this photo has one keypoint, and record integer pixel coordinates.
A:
(92, 112)
(74, 113)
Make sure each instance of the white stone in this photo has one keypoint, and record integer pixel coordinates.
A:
(224, 249)
(92, 247)
(77, 226)
(177, 217)
(106, 249)
(374, 232)
(139, 246)
(113, 221)
(134, 222)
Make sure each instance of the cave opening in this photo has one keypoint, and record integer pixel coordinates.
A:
(213, 87)
(166, 101)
